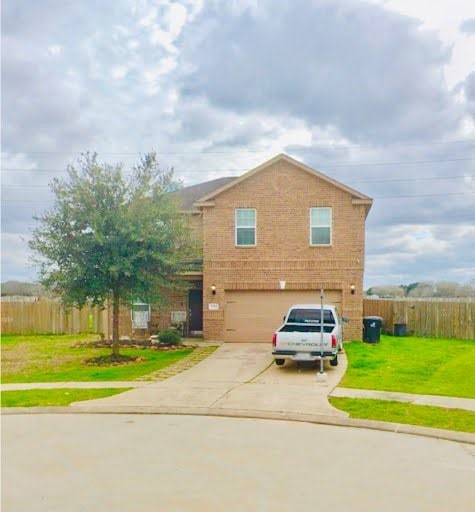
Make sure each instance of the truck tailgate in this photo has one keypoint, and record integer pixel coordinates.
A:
(293, 340)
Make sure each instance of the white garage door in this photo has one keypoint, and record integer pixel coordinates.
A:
(253, 316)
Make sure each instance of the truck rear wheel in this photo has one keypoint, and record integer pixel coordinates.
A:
(334, 362)
(279, 362)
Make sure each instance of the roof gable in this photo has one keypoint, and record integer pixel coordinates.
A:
(358, 197)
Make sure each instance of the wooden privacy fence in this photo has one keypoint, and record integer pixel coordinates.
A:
(426, 317)
(46, 316)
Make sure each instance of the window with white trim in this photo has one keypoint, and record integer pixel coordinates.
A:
(321, 226)
(245, 223)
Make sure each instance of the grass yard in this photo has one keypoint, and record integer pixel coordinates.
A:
(399, 412)
(54, 397)
(426, 366)
(54, 358)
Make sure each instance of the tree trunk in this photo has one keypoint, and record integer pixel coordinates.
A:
(115, 326)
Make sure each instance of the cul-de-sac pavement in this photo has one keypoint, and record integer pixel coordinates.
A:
(234, 432)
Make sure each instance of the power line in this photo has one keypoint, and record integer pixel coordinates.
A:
(391, 180)
(401, 162)
(374, 197)
(326, 166)
(425, 195)
(15, 169)
(432, 178)
(290, 147)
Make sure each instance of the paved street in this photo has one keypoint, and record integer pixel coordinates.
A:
(138, 463)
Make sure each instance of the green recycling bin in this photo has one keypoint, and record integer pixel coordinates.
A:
(372, 326)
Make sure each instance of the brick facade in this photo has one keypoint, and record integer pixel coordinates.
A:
(282, 193)
(160, 316)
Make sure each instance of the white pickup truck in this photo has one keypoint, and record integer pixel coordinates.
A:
(300, 338)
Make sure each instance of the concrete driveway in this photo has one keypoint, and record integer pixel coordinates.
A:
(239, 377)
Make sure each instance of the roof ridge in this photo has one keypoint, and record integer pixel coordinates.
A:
(282, 156)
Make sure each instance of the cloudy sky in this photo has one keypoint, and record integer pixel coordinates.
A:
(378, 94)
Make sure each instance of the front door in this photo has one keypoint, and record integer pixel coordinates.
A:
(195, 310)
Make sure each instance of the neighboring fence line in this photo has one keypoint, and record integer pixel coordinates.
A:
(45, 316)
(450, 318)
(423, 317)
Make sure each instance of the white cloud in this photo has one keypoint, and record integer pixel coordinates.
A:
(133, 44)
(16, 260)
(130, 83)
(409, 241)
(329, 71)
(18, 250)
(160, 37)
(148, 19)
(444, 17)
(176, 18)
(165, 30)
(55, 50)
(119, 72)
(152, 75)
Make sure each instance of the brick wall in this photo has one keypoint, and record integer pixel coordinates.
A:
(282, 194)
(196, 225)
(160, 316)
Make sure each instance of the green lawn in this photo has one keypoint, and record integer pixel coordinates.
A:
(54, 358)
(54, 397)
(412, 365)
(400, 412)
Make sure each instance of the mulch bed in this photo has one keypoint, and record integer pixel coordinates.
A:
(109, 360)
(146, 344)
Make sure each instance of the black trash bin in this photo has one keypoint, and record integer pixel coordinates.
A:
(372, 328)
(400, 329)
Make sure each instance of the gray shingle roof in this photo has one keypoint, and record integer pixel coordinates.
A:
(194, 192)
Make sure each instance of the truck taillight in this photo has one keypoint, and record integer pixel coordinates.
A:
(333, 341)
(274, 339)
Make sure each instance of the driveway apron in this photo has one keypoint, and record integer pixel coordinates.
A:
(239, 377)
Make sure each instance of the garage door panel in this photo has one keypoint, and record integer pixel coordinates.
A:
(253, 316)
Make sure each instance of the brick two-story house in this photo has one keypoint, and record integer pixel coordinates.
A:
(272, 237)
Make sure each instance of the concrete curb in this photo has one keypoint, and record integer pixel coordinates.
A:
(467, 404)
(399, 428)
(74, 385)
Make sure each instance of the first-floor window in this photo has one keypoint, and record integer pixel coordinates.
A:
(320, 226)
(245, 227)
(140, 315)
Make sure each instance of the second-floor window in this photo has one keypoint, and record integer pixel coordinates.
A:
(245, 227)
(320, 226)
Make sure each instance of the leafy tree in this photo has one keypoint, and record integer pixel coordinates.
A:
(21, 288)
(439, 289)
(422, 290)
(386, 291)
(408, 288)
(451, 289)
(112, 235)
(467, 290)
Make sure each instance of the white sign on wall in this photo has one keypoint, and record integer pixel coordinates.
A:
(140, 315)
(213, 306)
(178, 317)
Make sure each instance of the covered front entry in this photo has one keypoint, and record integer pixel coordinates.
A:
(254, 315)
(195, 312)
